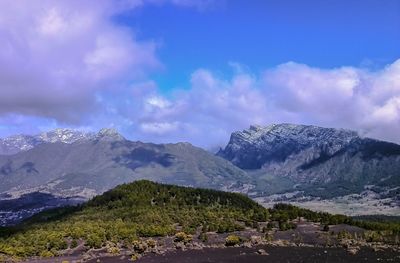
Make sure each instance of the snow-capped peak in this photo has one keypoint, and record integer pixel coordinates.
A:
(18, 143)
(65, 136)
(109, 134)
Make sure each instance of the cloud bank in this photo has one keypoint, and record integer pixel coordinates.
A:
(56, 55)
(347, 97)
(68, 63)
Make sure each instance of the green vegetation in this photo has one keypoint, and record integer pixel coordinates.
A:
(285, 212)
(378, 218)
(128, 212)
(183, 237)
(232, 240)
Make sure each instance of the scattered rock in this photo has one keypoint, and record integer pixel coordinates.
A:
(197, 245)
(247, 244)
(353, 250)
(255, 240)
(262, 252)
(180, 245)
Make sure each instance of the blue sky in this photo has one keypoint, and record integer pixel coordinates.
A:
(174, 70)
(262, 34)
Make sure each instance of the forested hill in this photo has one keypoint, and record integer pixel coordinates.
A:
(143, 193)
(128, 212)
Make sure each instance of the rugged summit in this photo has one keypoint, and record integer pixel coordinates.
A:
(259, 146)
(321, 160)
(18, 143)
(108, 134)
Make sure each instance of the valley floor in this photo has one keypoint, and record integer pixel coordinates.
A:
(350, 205)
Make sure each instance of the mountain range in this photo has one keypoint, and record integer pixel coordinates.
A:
(66, 163)
(281, 162)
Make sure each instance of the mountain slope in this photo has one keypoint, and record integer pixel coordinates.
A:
(321, 161)
(97, 163)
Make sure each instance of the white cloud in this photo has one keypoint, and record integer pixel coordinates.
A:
(68, 61)
(213, 107)
(56, 55)
(156, 102)
(52, 23)
(198, 4)
(205, 114)
(159, 128)
(343, 97)
(297, 87)
(389, 113)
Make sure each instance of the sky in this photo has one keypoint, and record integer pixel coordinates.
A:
(197, 70)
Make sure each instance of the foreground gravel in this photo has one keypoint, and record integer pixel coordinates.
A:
(275, 255)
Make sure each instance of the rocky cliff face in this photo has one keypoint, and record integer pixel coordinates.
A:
(320, 160)
(259, 146)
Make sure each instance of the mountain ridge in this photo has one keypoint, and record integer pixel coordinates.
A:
(301, 161)
(312, 158)
(98, 163)
(18, 143)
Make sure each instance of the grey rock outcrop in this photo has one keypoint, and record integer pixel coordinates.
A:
(319, 160)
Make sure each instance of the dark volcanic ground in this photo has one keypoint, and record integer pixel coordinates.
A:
(276, 255)
(305, 233)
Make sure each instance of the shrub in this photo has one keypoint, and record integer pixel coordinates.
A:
(151, 243)
(373, 236)
(94, 241)
(203, 237)
(232, 240)
(139, 246)
(74, 243)
(344, 235)
(46, 254)
(283, 226)
(182, 237)
(114, 250)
